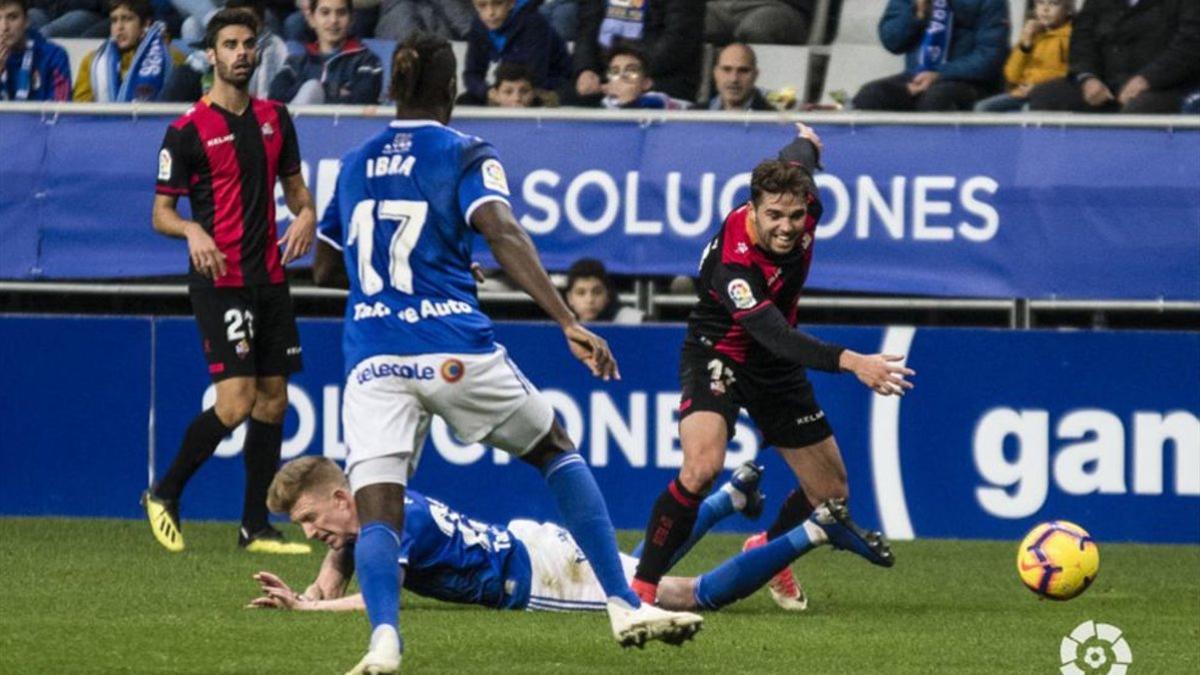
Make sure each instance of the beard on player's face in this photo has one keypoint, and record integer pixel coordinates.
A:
(237, 70)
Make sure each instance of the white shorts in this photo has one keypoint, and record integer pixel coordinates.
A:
(563, 580)
(389, 401)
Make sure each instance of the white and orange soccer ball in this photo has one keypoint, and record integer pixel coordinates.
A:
(1058, 560)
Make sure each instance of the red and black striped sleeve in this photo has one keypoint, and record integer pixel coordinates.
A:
(175, 161)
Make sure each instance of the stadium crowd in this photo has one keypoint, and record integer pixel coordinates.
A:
(1136, 56)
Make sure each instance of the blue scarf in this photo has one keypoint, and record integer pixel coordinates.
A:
(147, 72)
(624, 19)
(24, 80)
(935, 45)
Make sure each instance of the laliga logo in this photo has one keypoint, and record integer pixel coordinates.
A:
(1094, 648)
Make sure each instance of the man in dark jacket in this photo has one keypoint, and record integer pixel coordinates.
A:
(1134, 56)
(334, 69)
(513, 31)
(31, 67)
(671, 32)
(734, 76)
(954, 52)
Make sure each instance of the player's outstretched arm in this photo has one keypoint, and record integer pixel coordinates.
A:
(805, 149)
(276, 594)
(206, 257)
(518, 257)
(298, 239)
(882, 373)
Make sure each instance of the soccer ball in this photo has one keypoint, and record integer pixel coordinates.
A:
(1058, 560)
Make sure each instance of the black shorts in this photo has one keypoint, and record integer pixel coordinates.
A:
(247, 332)
(783, 407)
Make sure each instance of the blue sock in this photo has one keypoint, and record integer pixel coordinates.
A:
(713, 509)
(585, 516)
(375, 561)
(747, 572)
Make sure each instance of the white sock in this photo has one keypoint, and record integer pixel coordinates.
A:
(815, 534)
(735, 496)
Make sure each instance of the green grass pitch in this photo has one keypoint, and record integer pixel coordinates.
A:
(99, 596)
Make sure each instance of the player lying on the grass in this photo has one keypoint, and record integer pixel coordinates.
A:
(527, 565)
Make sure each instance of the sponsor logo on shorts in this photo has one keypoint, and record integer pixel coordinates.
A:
(404, 371)
(809, 419)
(740, 293)
(453, 370)
(242, 348)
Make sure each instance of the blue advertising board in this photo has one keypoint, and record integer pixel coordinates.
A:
(1004, 429)
(981, 211)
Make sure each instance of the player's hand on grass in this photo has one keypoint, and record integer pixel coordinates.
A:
(298, 239)
(206, 257)
(592, 350)
(882, 373)
(276, 594)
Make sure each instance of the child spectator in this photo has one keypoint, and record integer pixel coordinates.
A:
(1041, 55)
(133, 63)
(513, 31)
(591, 296)
(31, 67)
(513, 88)
(629, 83)
(335, 68)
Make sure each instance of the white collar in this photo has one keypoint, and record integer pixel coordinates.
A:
(408, 124)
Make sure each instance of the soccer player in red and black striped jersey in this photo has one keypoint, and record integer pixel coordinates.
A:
(225, 154)
(742, 351)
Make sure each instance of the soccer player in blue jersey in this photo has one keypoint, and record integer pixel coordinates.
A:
(527, 565)
(405, 209)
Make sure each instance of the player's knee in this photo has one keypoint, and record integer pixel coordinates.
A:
(270, 408)
(234, 409)
(698, 476)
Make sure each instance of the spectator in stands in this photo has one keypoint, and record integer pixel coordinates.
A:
(513, 31)
(563, 16)
(194, 78)
(670, 31)
(734, 76)
(1040, 55)
(953, 52)
(629, 85)
(774, 22)
(513, 88)
(69, 18)
(398, 19)
(296, 27)
(592, 297)
(133, 63)
(1133, 56)
(335, 68)
(31, 67)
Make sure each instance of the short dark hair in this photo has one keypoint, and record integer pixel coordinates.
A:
(775, 176)
(423, 68)
(140, 7)
(23, 4)
(587, 268)
(225, 18)
(312, 5)
(509, 71)
(628, 48)
(258, 7)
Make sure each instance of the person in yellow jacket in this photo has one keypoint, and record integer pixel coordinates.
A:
(1039, 56)
(133, 63)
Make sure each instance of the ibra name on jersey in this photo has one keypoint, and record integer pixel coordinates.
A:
(390, 166)
(428, 309)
